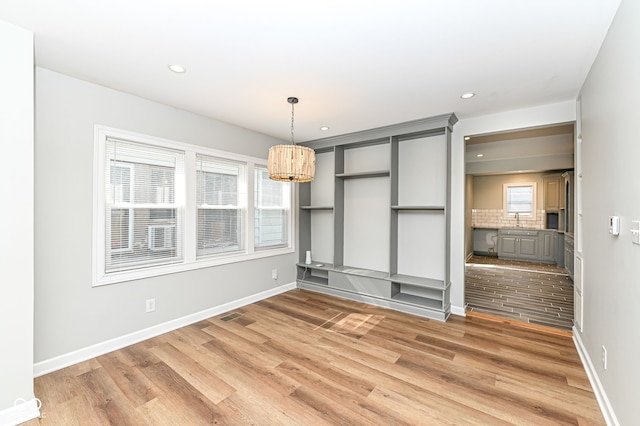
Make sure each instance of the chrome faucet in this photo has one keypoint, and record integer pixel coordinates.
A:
(517, 220)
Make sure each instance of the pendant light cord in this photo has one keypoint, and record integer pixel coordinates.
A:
(292, 108)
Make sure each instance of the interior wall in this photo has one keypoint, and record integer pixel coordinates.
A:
(16, 220)
(70, 313)
(561, 112)
(611, 186)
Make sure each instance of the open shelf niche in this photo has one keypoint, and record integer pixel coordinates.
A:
(377, 217)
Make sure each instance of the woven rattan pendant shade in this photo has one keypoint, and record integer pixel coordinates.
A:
(291, 163)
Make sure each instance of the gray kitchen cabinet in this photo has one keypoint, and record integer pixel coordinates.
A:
(528, 247)
(568, 255)
(507, 246)
(560, 250)
(567, 205)
(377, 218)
(547, 241)
(518, 244)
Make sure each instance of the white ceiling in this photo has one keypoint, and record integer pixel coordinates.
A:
(354, 64)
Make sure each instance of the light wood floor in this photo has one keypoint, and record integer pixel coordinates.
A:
(302, 358)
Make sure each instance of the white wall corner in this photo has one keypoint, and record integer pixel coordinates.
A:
(601, 396)
(71, 358)
(21, 412)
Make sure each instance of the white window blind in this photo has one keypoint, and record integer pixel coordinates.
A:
(221, 205)
(144, 205)
(272, 206)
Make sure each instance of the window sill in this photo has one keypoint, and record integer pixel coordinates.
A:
(124, 276)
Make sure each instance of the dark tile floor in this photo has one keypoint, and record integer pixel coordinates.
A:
(536, 293)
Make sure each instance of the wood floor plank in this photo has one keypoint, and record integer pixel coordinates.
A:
(76, 411)
(110, 405)
(134, 385)
(339, 395)
(425, 394)
(307, 358)
(195, 403)
(198, 376)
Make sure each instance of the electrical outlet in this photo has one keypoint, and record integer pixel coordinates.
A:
(604, 357)
(274, 274)
(151, 305)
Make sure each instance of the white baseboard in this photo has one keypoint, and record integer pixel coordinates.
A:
(62, 361)
(457, 310)
(601, 396)
(21, 412)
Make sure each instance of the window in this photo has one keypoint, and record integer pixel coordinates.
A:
(162, 206)
(221, 200)
(520, 200)
(272, 201)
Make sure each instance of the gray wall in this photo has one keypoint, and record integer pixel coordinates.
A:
(16, 216)
(611, 186)
(70, 314)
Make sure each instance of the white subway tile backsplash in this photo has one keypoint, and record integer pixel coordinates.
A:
(494, 218)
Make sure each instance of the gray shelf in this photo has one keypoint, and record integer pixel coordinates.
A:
(362, 272)
(418, 301)
(404, 303)
(375, 173)
(314, 265)
(311, 279)
(434, 208)
(418, 281)
(316, 207)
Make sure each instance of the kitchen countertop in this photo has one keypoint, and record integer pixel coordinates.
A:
(496, 228)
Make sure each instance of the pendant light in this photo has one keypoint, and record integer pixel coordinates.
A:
(291, 163)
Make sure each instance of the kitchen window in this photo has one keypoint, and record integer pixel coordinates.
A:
(519, 200)
(162, 206)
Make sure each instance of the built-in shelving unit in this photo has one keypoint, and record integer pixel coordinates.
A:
(377, 220)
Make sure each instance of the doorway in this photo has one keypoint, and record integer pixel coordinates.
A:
(515, 268)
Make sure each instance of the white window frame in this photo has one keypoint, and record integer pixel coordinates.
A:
(505, 201)
(188, 183)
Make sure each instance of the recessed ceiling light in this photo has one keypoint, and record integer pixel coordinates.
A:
(324, 128)
(177, 68)
(466, 138)
(467, 95)
(480, 155)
